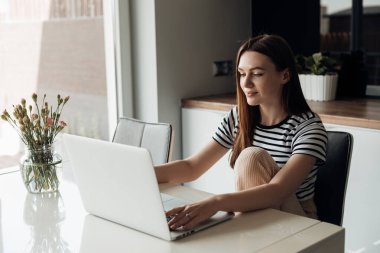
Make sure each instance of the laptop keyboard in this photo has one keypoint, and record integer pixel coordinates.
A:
(166, 197)
(170, 202)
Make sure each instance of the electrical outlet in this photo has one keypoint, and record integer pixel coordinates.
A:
(222, 68)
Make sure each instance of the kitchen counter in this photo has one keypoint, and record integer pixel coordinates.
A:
(350, 112)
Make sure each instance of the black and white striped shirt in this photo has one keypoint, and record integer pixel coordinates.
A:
(303, 134)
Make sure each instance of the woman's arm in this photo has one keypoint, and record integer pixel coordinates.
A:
(191, 168)
(273, 194)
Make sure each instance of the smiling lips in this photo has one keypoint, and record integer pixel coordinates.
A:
(251, 93)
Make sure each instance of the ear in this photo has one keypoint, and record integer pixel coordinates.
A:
(285, 76)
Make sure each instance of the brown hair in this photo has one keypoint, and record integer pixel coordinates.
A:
(280, 53)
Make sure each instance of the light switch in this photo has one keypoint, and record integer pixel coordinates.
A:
(222, 68)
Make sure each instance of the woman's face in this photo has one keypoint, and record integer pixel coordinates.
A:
(261, 83)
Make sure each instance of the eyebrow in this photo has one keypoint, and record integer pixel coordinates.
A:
(254, 68)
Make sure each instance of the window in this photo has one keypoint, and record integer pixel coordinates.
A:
(357, 47)
(53, 47)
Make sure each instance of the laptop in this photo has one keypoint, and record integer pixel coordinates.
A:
(117, 182)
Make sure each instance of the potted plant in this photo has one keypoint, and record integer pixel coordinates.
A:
(318, 76)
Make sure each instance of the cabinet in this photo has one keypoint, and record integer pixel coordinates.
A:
(198, 126)
(362, 206)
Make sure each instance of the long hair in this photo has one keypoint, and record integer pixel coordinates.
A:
(293, 101)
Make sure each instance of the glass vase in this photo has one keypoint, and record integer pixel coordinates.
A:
(41, 169)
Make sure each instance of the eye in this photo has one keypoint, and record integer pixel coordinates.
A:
(257, 74)
(242, 74)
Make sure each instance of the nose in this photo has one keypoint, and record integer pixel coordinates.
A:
(246, 82)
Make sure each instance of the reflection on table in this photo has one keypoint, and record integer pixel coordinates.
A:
(44, 213)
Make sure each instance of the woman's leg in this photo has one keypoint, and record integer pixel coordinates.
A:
(254, 167)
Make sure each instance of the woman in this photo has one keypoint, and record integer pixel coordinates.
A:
(277, 142)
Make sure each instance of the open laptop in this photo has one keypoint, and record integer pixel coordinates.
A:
(117, 182)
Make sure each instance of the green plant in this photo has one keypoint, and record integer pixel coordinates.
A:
(316, 64)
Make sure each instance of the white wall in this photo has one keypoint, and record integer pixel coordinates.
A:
(144, 63)
(174, 43)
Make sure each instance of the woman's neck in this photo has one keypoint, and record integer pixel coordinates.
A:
(272, 116)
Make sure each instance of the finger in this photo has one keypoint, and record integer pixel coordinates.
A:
(176, 214)
(174, 211)
(180, 220)
(196, 219)
(190, 224)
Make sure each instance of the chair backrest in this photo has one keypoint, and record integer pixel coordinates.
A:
(332, 177)
(155, 137)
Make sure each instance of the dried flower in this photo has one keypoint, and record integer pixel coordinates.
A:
(34, 117)
(25, 120)
(62, 123)
(66, 99)
(49, 121)
(34, 97)
(39, 128)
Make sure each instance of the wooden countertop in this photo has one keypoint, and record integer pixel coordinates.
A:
(351, 112)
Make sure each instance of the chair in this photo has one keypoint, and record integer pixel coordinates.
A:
(332, 177)
(155, 137)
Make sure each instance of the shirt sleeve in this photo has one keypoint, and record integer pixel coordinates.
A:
(226, 132)
(311, 139)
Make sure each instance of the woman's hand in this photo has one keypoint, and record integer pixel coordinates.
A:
(186, 217)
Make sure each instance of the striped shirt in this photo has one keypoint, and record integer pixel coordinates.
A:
(304, 134)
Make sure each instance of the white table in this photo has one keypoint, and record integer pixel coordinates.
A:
(59, 223)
